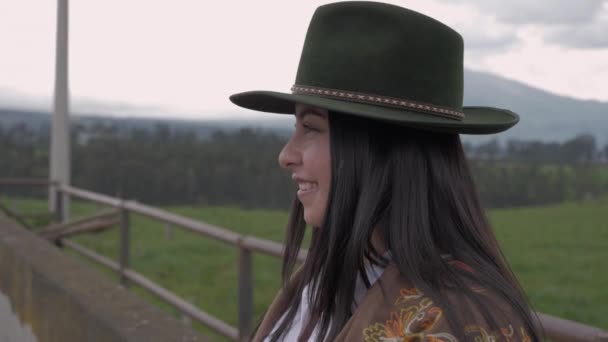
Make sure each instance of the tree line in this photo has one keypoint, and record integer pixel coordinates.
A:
(582, 149)
(167, 166)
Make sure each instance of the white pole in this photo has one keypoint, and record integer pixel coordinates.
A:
(60, 130)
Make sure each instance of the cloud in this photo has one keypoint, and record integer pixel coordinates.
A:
(584, 37)
(481, 40)
(579, 73)
(481, 32)
(543, 12)
(592, 35)
(572, 24)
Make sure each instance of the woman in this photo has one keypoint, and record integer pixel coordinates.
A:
(401, 249)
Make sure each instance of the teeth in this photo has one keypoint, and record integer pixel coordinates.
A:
(305, 186)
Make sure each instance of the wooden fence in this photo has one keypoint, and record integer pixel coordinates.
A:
(556, 329)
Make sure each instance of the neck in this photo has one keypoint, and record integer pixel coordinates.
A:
(378, 240)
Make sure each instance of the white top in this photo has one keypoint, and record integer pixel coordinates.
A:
(373, 274)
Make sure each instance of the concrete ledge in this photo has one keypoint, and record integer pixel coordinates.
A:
(61, 299)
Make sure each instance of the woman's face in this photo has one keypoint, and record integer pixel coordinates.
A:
(306, 155)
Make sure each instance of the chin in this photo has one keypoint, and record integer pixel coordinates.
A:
(312, 220)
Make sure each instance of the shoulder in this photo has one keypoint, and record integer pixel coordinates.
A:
(409, 314)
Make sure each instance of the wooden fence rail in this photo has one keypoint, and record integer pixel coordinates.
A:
(556, 329)
(245, 244)
(89, 224)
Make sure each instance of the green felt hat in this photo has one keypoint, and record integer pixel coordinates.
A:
(383, 62)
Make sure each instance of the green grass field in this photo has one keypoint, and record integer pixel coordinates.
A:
(558, 252)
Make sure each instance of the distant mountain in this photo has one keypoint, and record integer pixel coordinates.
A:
(544, 116)
(10, 117)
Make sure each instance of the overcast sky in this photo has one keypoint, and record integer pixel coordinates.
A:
(187, 57)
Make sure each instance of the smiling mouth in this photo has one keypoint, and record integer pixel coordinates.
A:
(306, 187)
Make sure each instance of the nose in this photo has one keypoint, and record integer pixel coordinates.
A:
(289, 155)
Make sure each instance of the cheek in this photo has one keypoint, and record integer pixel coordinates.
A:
(317, 161)
(323, 168)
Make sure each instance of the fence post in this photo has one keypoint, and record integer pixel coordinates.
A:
(124, 244)
(245, 293)
(58, 198)
(65, 207)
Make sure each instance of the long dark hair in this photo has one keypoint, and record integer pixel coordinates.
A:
(417, 187)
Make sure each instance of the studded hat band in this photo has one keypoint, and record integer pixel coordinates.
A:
(378, 100)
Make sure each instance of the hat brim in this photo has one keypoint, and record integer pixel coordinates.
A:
(478, 120)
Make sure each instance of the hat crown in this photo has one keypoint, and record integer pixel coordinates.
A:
(384, 50)
(383, 62)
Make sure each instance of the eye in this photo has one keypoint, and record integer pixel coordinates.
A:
(308, 128)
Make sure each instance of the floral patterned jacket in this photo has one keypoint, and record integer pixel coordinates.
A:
(394, 311)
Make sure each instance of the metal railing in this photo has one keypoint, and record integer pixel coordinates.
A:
(556, 329)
